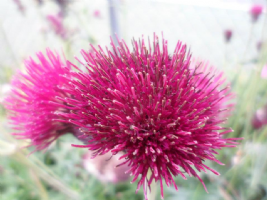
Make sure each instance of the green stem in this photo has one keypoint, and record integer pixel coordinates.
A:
(248, 42)
(243, 58)
(151, 194)
(262, 57)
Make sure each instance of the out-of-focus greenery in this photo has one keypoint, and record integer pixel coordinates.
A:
(56, 174)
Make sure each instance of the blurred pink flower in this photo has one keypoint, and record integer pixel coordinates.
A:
(259, 45)
(264, 72)
(260, 118)
(228, 35)
(19, 5)
(97, 14)
(57, 25)
(256, 11)
(104, 167)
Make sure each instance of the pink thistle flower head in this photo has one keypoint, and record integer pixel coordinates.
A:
(35, 98)
(255, 12)
(228, 35)
(160, 110)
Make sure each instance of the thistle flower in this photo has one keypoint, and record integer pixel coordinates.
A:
(104, 167)
(264, 72)
(260, 118)
(259, 45)
(57, 25)
(34, 100)
(162, 111)
(228, 35)
(255, 12)
(97, 14)
(20, 6)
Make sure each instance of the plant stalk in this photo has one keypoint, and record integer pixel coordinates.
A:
(152, 190)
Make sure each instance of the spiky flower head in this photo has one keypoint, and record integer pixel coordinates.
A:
(34, 101)
(162, 111)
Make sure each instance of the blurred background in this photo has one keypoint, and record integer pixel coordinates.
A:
(230, 34)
